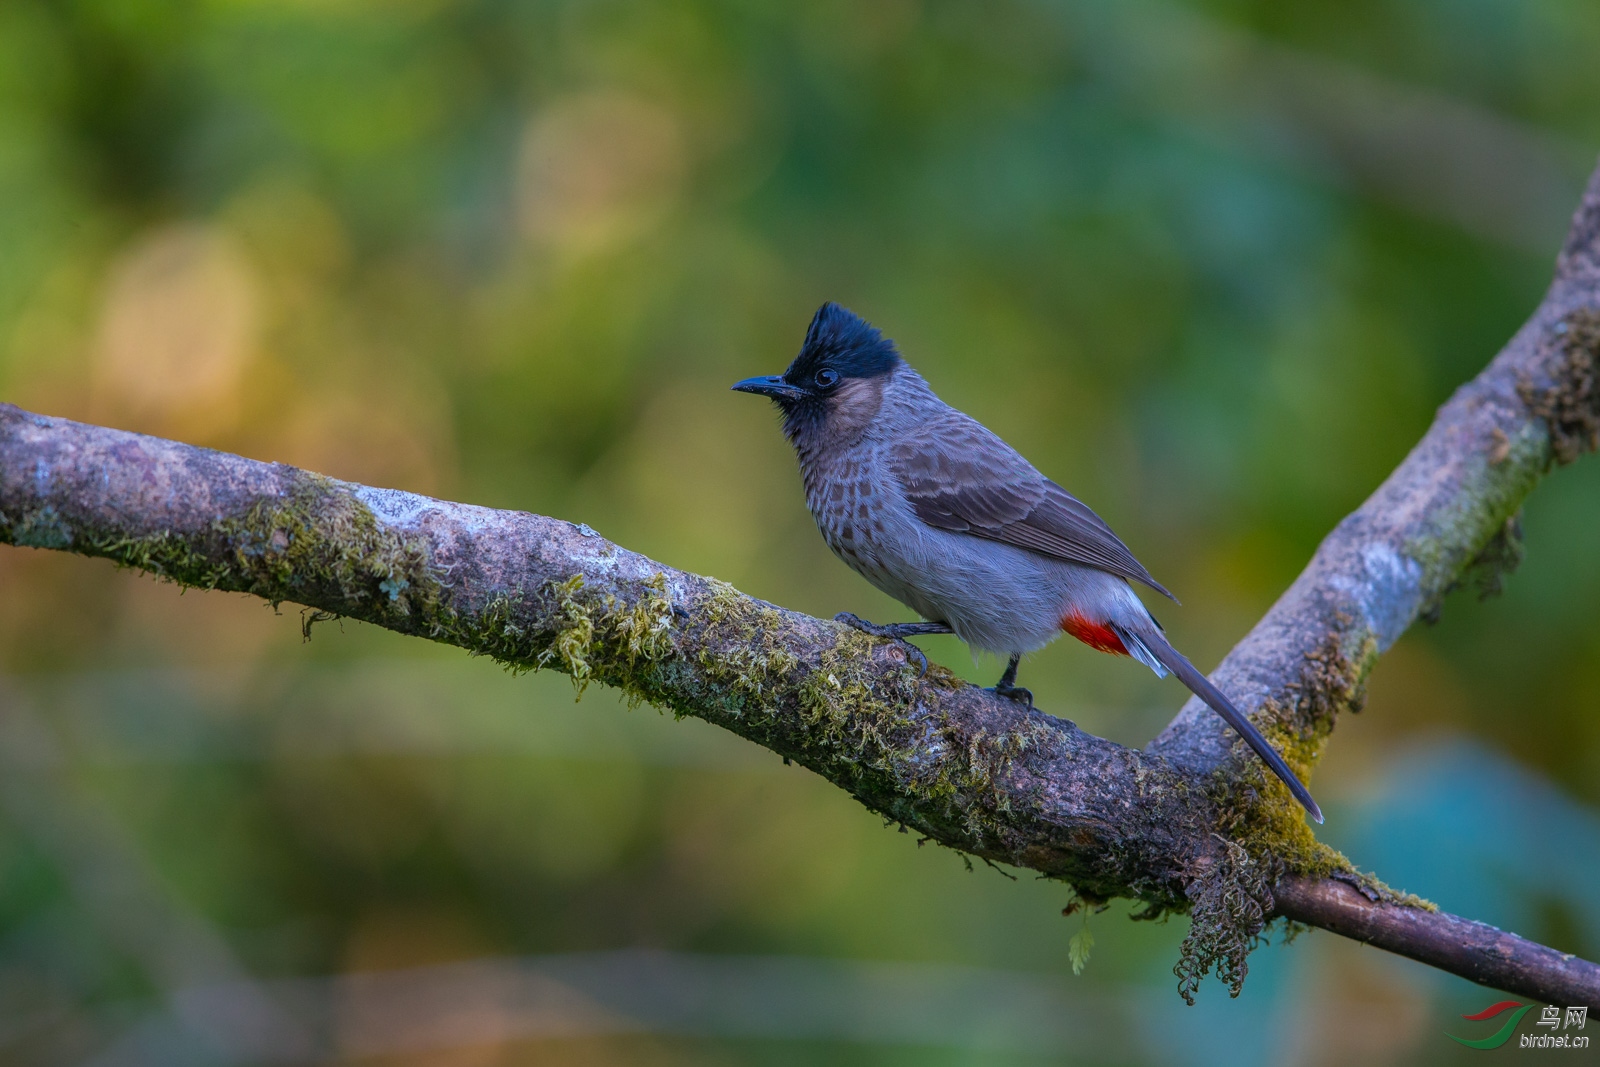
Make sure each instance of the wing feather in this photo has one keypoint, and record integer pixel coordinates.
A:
(959, 476)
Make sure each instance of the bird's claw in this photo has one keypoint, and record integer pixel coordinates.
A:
(912, 652)
(856, 622)
(1013, 692)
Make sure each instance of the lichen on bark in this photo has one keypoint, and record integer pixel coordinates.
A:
(1569, 402)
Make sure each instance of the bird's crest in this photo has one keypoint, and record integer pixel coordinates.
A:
(842, 340)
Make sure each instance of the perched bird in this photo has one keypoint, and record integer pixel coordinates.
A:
(937, 511)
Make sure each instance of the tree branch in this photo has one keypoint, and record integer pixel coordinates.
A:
(1446, 516)
(1191, 824)
(1474, 950)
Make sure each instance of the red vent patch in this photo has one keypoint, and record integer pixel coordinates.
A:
(1095, 635)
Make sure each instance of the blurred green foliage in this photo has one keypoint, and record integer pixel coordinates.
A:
(1212, 266)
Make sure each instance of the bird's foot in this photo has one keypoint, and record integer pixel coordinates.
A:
(1007, 685)
(856, 622)
(897, 631)
(1013, 692)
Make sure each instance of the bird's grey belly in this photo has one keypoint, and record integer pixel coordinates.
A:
(996, 597)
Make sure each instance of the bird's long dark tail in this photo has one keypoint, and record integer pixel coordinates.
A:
(1201, 686)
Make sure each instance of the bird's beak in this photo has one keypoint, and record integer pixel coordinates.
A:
(769, 385)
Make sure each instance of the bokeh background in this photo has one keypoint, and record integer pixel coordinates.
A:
(1211, 265)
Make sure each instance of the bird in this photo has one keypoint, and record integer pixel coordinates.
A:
(934, 509)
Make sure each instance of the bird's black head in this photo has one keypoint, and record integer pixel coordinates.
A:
(840, 349)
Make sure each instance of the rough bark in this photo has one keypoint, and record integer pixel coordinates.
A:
(1190, 824)
(1474, 950)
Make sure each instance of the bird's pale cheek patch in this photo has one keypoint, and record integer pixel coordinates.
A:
(1095, 635)
(854, 405)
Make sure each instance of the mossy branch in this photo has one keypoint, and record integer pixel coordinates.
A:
(532, 592)
(1447, 516)
(1190, 825)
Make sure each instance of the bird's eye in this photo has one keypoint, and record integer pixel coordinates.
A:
(826, 379)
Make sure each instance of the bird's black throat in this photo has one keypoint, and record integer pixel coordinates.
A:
(803, 420)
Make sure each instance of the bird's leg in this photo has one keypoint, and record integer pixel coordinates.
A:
(898, 631)
(1007, 687)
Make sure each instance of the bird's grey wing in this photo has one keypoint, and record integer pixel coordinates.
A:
(959, 476)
